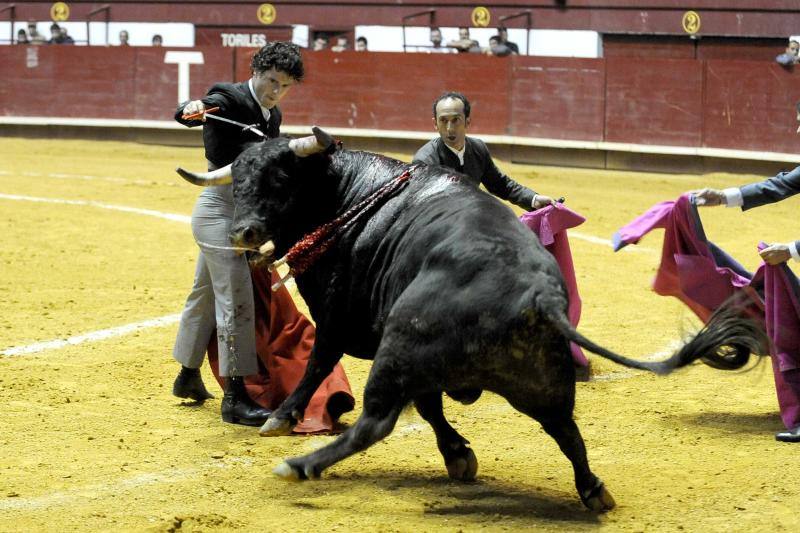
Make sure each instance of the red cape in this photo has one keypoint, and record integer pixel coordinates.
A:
(284, 338)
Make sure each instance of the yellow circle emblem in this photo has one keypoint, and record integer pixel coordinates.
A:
(691, 22)
(481, 17)
(59, 12)
(266, 13)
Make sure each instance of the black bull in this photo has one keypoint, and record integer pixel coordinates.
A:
(443, 288)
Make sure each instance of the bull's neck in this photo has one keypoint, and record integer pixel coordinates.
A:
(361, 174)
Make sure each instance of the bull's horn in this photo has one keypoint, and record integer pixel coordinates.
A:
(268, 248)
(221, 176)
(313, 144)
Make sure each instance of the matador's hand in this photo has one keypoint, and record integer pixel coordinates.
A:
(775, 254)
(709, 197)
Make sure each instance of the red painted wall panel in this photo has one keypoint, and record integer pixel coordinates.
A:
(750, 104)
(558, 99)
(156, 90)
(745, 105)
(48, 81)
(654, 102)
(394, 90)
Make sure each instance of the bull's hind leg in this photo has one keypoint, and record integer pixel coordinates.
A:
(563, 429)
(459, 459)
(384, 398)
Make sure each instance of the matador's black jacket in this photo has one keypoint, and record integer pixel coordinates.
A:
(224, 142)
(479, 166)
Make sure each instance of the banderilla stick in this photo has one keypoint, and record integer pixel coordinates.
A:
(200, 114)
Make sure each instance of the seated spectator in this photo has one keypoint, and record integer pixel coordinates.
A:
(790, 56)
(320, 43)
(797, 109)
(65, 37)
(341, 44)
(157, 40)
(55, 34)
(361, 44)
(22, 37)
(436, 42)
(464, 43)
(502, 32)
(123, 38)
(33, 34)
(497, 47)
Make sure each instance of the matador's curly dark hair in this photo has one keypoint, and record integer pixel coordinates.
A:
(282, 56)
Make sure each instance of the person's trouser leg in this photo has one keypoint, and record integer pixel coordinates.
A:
(235, 313)
(198, 320)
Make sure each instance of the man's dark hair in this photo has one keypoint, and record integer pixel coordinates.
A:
(362, 40)
(793, 41)
(797, 107)
(436, 28)
(55, 26)
(496, 38)
(282, 56)
(457, 96)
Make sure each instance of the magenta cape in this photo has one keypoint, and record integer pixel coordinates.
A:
(550, 224)
(703, 276)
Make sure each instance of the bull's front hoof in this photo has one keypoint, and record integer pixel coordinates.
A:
(289, 473)
(599, 499)
(463, 468)
(276, 427)
(295, 472)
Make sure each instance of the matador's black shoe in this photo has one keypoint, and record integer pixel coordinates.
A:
(189, 384)
(790, 435)
(238, 407)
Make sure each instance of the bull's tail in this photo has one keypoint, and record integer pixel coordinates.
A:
(726, 342)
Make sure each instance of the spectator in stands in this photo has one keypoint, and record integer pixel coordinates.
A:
(790, 56)
(502, 32)
(497, 47)
(33, 34)
(157, 40)
(436, 42)
(797, 109)
(65, 37)
(22, 37)
(320, 43)
(55, 34)
(361, 44)
(123, 38)
(464, 43)
(341, 44)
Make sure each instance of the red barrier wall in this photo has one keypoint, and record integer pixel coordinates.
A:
(557, 99)
(657, 102)
(746, 105)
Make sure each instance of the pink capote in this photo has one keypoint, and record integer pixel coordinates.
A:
(703, 276)
(550, 224)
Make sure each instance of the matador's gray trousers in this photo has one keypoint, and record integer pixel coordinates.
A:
(222, 295)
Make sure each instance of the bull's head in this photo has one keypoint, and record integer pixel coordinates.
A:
(266, 186)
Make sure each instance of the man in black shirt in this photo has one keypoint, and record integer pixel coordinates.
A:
(469, 155)
(221, 299)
